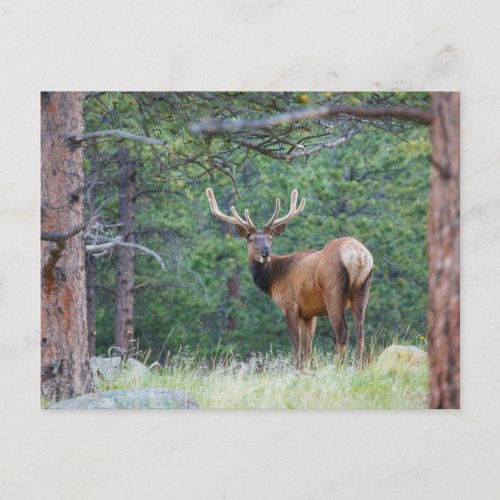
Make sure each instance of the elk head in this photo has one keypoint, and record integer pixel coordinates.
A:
(259, 241)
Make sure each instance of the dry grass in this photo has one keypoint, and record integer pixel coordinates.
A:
(271, 381)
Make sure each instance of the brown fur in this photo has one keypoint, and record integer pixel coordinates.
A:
(309, 283)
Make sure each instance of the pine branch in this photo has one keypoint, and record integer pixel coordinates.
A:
(211, 126)
(303, 153)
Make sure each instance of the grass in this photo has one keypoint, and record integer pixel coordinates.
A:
(271, 381)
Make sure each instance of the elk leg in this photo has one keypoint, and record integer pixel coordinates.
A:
(293, 323)
(359, 301)
(309, 326)
(337, 319)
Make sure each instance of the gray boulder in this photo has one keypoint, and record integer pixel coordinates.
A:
(138, 398)
(105, 368)
(108, 369)
(135, 367)
(401, 357)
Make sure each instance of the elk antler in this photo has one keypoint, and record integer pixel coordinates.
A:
(273, 222)
(236, 219)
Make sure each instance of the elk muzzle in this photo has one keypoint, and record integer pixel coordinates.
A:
(265, 253)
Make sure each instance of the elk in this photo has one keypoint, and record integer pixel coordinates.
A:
(307, 283)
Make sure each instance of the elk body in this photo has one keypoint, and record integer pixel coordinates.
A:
(307, 283)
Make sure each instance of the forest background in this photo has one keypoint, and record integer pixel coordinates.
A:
(178, 277)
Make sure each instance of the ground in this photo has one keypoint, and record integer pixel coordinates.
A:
(271, 381)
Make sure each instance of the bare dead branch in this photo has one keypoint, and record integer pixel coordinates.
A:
(211, 126)
(77, 139)
(99, 249)
(141, 285)
(109, 243)
(60, 236)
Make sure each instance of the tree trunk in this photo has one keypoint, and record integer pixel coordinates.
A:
(124, 286)
(65, 369)
(90, 264)
(444, 257)
(90, 275)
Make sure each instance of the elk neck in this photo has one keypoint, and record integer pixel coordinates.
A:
(265, 275)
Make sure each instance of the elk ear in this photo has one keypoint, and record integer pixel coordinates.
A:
(278, 230)
(242, 231)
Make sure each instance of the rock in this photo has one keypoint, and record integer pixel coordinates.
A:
(401, 356)
(153, 397)
(136, 367)
(105, 368)
(108, 369)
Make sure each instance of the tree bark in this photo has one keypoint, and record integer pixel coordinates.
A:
(124, 285)
(65, 369)
(444, 253)
(90, 265)
(90, 275)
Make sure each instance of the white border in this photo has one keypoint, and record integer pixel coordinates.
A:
(236, 44)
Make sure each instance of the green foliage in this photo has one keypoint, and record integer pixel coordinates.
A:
(373, 187)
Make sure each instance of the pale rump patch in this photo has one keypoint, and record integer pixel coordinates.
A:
(357, 260)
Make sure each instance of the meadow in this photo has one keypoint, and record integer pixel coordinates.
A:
(270, 381)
